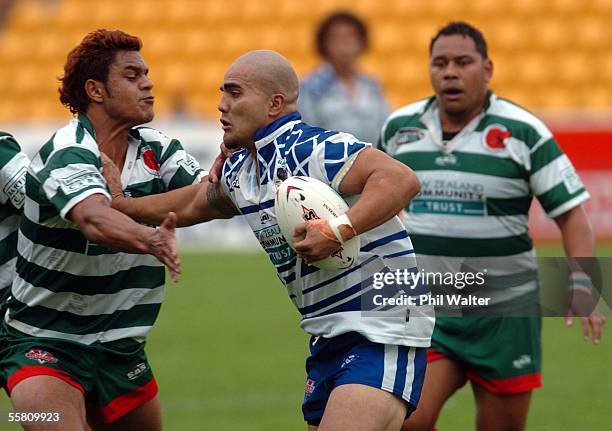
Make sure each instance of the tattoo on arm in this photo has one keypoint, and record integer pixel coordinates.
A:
(218, 199)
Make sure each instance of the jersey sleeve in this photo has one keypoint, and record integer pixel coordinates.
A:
(13, 168)
(387, 131)
(553, 179)
(71, 175)
(179, 168)
(332, 158)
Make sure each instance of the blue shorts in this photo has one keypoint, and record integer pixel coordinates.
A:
(352, 359)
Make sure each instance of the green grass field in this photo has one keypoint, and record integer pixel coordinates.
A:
(229, 356)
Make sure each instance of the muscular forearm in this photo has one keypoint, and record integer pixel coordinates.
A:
(193, 204)
(577, 234)
(385, 194)
(115, 230)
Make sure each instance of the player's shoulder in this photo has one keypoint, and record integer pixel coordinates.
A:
(318, 136)
(8, 143)
(408, 113)
(150, 135)
(74, 137)
(406, 116)
(161, 144)
(76, 133)
(415, 109)
(516, 117)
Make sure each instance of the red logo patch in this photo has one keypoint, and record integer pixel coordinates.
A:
(496, 136)
(149, 159)
(41, 356)
(310, 386)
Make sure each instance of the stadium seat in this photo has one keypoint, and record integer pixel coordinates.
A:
(550, 47)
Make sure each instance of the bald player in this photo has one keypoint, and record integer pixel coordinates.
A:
(364, 373)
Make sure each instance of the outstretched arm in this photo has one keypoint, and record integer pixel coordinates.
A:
(192, 204)
(103, 225)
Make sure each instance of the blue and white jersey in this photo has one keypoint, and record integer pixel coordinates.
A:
(330, 302)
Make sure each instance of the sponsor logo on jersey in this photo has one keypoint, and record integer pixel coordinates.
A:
(41, 356)
(15, 187)
(571, 180)
(446, 160)
(189, 164)
(137, 371)
(149, 159)
(265, 218)
(272, 240)
(495, 137)
(79, 181)
(408, 135)
(447, 206)
(310, 386)
(235, 183)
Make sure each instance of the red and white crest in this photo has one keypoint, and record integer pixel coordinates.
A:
(41, 356)
(495, 137)
(149, 159)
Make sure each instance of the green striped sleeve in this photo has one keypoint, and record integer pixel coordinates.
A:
(13, 167)
(178, 168)
(554, 179)
(544, 153)
(395, 125)
(8, 148)
(71, 175)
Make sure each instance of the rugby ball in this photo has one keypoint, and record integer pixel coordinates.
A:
(300, 199)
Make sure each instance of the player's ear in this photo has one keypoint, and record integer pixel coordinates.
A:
(94, 90)
(276, 104)
(488, 69)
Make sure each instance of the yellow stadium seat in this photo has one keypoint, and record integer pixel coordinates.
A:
(547, 53)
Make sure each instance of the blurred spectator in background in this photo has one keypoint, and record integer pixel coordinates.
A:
(5, 8)
(337, 96)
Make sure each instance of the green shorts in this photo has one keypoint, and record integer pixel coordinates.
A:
(115, 378)
(501, 354)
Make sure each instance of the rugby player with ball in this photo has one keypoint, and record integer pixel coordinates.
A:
(365, 371)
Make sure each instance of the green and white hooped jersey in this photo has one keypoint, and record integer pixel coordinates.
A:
(67, 287)
(13, 166)
(476, 188)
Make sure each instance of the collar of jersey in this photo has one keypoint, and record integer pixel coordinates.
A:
(266, 134)
(86, 122)
(431, 119)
